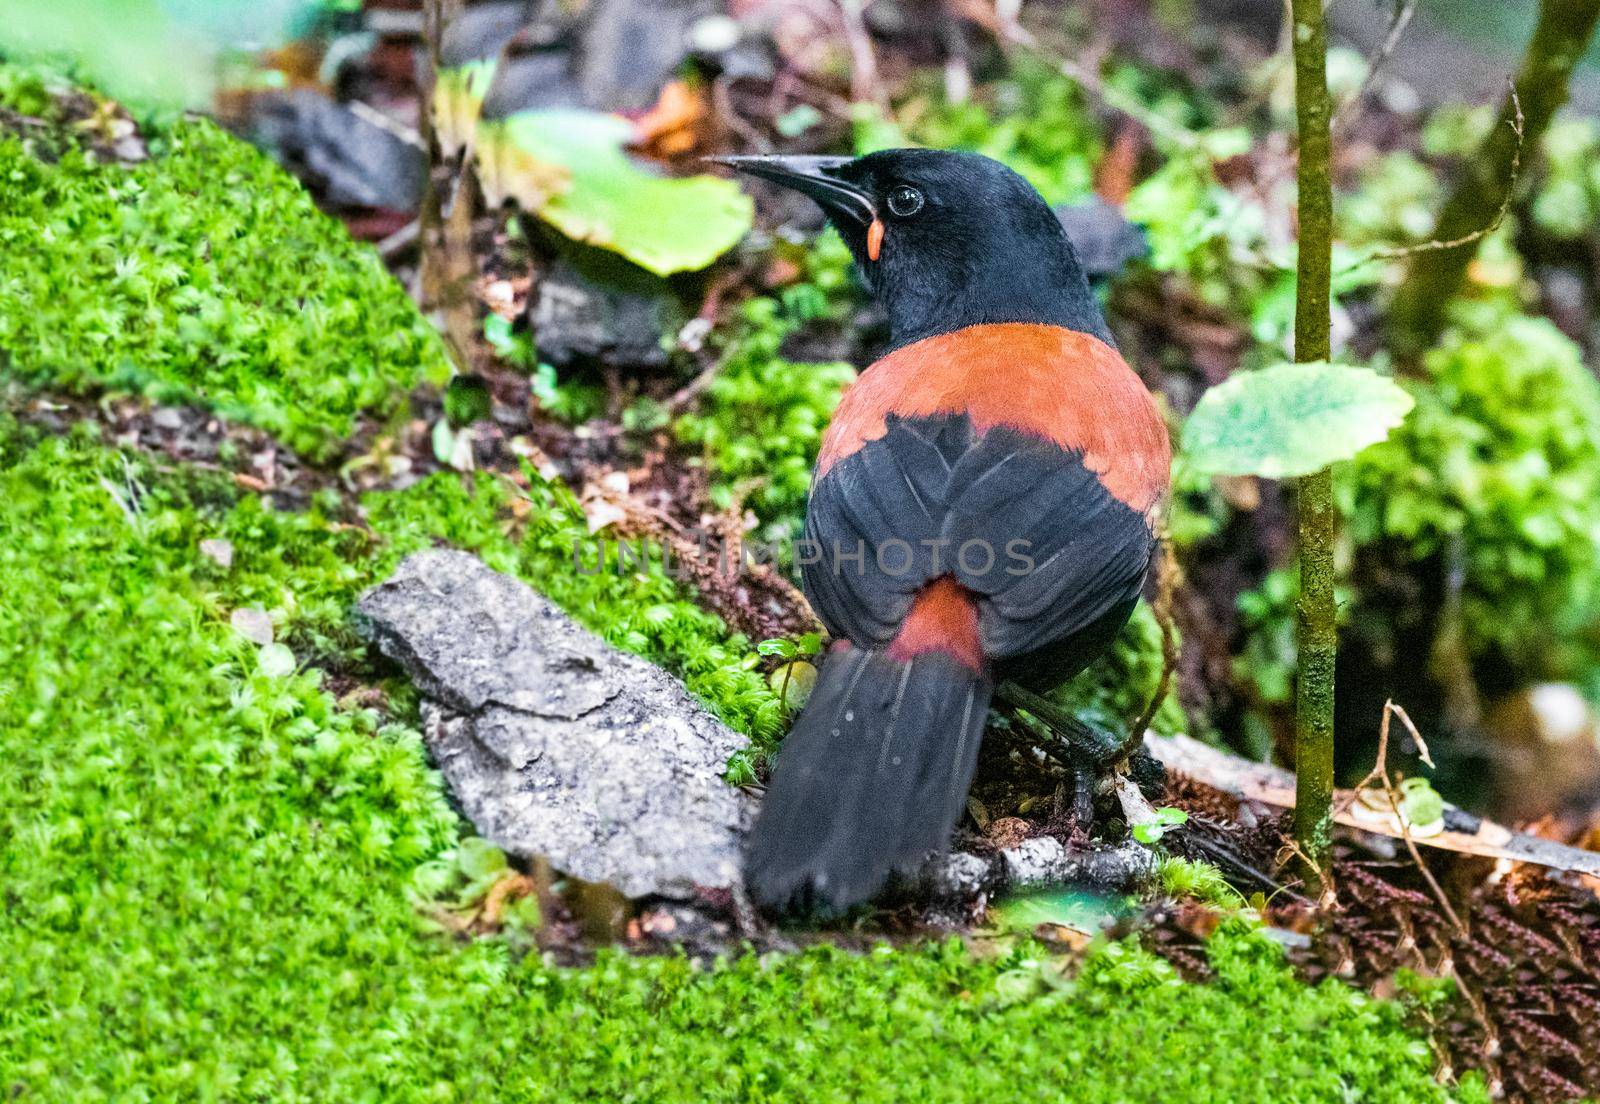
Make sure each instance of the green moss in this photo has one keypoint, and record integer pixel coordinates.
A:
(211, 873)
(203, 275)
(1503, 454)
(1200, 881)
(760, 423)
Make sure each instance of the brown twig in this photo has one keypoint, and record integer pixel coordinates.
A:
(1275, 786)
(510, 888)
(1166, 586)
(864, 84)
(1398, 22)
(1380, 773)
(1401, 252)
(685, 396)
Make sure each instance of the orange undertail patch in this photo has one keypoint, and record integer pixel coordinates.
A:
(943, 618)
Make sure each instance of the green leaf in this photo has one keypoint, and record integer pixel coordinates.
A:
(458, 94)
(1421, 804)
(794, 682)
(569, 168)
(1291, 419)
(478, 858)
(444, 441)
(275, 661)
(252, 623)
(1166, 820)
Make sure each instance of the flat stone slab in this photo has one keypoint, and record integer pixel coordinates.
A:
(554, 743)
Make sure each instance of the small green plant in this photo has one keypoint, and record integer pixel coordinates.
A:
(761, 420)
(1153, 831)
(1215, 238)
(1199, 881)
(1316, 624)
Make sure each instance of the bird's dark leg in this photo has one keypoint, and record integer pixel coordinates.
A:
(1122, 747)
(1083, 780)
(1074, 796)
(1087, 742)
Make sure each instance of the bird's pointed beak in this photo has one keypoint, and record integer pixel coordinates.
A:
(816, 177)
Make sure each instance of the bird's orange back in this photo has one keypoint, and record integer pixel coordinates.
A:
(1048, 381)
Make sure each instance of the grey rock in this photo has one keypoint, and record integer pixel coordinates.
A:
(1035, 862)
(1105, 240)
(552, 742)
(630, 48)
(481, 31)
(533, 83)
(356, 162)
(578, 320)
(1044, 861)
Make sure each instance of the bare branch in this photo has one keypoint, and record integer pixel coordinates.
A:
(1398, 22)
(1166, 585)
(1116, 99)
(864, 83)
(1516, 124)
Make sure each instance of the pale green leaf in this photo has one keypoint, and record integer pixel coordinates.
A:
(458, 94)
(275, 661)
(795, 682)
(252, 623)
(569, 168)
(1291, 419)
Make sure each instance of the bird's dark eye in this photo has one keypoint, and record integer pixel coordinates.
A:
(904, 201)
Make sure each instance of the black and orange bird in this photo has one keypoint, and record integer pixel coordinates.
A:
(981, 513)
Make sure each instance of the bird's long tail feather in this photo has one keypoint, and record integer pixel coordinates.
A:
(873, 776)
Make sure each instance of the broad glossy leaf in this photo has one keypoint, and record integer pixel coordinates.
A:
(569, 168)
(1291, 419)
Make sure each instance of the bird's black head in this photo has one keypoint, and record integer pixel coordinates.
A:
(945, 239)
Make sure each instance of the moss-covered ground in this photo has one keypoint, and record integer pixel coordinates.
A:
(215, 873)
(251, 302)
(212, 875)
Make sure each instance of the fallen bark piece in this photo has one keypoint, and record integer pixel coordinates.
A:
(555, 744)
(1039, 863)
(1270, 785)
